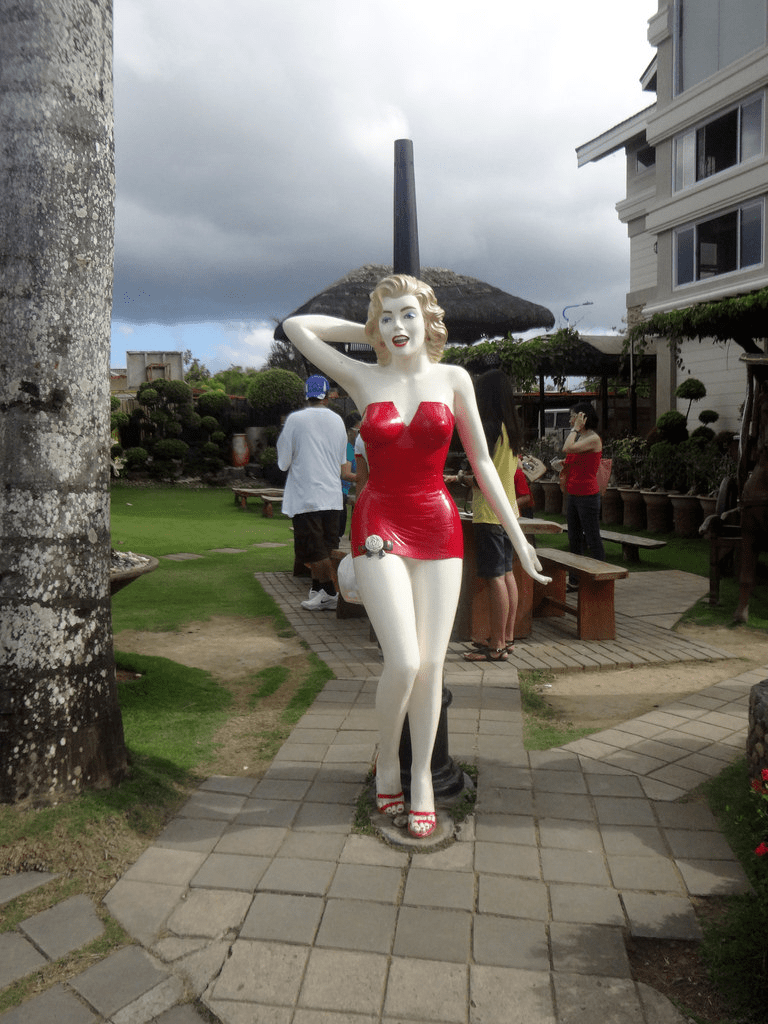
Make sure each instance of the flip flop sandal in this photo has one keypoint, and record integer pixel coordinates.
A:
(487, 654)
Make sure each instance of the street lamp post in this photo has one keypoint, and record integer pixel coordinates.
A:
(574, 305)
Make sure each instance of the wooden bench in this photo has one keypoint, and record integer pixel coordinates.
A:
(242, 494)
(630, 545)
(594, 610)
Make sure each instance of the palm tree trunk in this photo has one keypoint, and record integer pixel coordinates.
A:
(60, 725)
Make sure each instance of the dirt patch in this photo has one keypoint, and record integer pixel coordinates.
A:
(229, 647)
(599, 700)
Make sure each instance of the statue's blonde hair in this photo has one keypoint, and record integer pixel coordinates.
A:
(394, 287)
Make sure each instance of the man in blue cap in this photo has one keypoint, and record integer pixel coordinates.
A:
(313, 448)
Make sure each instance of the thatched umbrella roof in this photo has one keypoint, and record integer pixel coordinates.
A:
(473, 309)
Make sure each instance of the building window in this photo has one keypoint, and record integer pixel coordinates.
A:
(711, 34)
(727, 140)
(731, 241)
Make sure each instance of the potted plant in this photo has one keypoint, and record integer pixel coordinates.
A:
(628, 458)
(550, 496)
(661, 471)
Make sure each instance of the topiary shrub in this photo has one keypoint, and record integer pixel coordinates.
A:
(671, 426)
(691, 390)
(170, 448)
(136, 458)
(209, 424)
(274, 393)
(212, 403)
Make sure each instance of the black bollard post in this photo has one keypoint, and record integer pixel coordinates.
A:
(447, 778)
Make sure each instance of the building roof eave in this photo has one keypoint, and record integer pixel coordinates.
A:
(615, 138)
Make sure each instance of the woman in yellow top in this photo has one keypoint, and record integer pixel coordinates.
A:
(493, 549)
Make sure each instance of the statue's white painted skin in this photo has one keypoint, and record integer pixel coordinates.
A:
(411, 591)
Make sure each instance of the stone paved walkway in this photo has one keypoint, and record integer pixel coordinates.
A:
(259, 899)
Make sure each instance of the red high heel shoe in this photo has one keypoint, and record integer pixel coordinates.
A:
(421, 823)
(390, 803)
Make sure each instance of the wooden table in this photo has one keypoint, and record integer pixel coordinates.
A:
(462, 625)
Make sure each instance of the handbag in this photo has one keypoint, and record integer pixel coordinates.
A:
(604, 474)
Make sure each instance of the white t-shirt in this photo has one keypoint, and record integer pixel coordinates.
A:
(312, 447)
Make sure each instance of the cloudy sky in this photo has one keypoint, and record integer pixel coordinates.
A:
(255, 149)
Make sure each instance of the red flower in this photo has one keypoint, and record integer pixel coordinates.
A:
(762, 849)
(764, 774)
(757, 785)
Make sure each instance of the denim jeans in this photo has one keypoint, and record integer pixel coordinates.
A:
(583, 517)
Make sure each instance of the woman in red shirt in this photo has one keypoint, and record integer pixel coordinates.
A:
(584, 450)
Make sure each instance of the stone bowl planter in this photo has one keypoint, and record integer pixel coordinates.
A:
(127, 567)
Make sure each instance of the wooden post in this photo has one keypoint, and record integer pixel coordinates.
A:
(406, 243)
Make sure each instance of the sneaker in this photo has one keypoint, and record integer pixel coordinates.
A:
(321, 602)
(312, 593)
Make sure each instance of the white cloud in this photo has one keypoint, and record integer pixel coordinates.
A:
(254, 144)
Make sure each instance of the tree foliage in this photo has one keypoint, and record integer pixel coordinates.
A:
(523, 361)
(740, 318)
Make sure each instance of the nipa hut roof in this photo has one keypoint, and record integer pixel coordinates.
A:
(473, 309)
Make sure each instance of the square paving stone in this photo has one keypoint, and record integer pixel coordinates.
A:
(251, 841)
(18, 957)
(67, 926)
(366, 882)
(512, 995)
(618, 811)
(547, 781)
(298, 875)
(698, 846)
(589, 949)
(652, 874)
(512, 897)
(357, 925)
(634, 841)
(364, 976)
(55, 1004)
(713, 877)
(281, 789)
(574, 866)
(450, 889)
(261, 973)
(215, 806)
(12, 886)
(506, 828)
(431, 934)
(230, 871)
(567, 806)
(506, 942)
(369, 850)
(583, 1000)
(569, 835)
(119, 980)
(505, 859)
(324, 818)
(614, 785)
(313, 845)
(198, 835)
(142, 907)
(586, 904)
(279, 917)
(660, 917)
(269, 813)
(209, 913)
(426, 990)
(165, 866)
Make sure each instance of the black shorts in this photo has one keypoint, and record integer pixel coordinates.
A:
(493, 550)
(315, 535)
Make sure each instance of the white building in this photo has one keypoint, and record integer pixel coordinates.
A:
(697, 178)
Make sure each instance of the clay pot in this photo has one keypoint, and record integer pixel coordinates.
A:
(634, 508)
(687, 515)
(553, 497)
(611, 507)
(658, 511)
